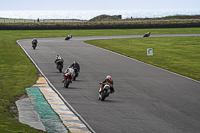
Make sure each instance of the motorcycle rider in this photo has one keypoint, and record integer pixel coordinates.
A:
(34, 41)
(67, 71)
(108, 81)
(74, 65)
(68, 37)
(147, 34)
(58, 58)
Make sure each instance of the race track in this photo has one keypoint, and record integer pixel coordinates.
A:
(147, 99)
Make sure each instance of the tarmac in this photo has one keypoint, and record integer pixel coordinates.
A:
(146, 99)
(44, 110)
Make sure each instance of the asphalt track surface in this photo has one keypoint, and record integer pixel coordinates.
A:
(147, 99)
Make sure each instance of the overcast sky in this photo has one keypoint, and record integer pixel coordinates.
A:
(99, 4)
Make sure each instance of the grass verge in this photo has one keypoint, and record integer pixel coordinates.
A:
(17, 72)
(177, 54)
(126, 24)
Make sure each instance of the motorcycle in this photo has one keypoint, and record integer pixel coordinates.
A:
(76, 73)
(105, 93)
(147, 34)
(68, 37)
(34, 45)
(59, 64)
(67, 80)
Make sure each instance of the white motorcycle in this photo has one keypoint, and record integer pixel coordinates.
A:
(105, 93)
(68, 75)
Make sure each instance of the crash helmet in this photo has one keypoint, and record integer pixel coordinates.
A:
(108, 77)
(57, 56)
(75, 62)
(35, 39)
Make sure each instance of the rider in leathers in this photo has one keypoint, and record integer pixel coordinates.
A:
(58, 57)
(34, 41)
(75, 64)
(109, 81)
(71, 71)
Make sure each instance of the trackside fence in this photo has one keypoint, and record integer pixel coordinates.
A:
(39, 20)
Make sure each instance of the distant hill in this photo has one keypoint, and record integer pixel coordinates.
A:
(106, 17)
(119, 17)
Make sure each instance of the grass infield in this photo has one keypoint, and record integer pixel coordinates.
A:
(17, 72)
(177, 54)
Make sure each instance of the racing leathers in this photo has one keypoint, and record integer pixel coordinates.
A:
(75, 65)
(70, 73)
(34, 41)
(108, 81)
(58, 58)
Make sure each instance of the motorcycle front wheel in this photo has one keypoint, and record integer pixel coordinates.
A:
(103, 95)
(66, 83)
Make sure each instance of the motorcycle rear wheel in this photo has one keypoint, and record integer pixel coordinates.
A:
(34, 46)
(74, 78)
(60, 68)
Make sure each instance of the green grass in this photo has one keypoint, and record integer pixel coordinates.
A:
(177, 54)
(17, 72)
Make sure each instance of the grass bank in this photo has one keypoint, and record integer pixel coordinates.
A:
(125, 24)
(17, 72)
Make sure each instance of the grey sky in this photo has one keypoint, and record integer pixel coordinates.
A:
(99, 4)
